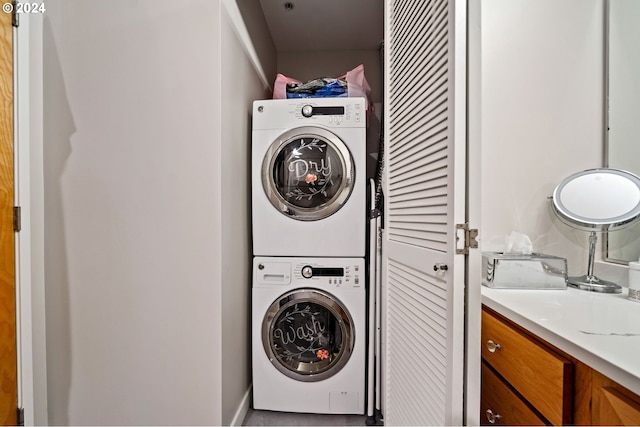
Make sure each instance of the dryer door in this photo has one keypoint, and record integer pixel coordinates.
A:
(308, 335)
(308, 173)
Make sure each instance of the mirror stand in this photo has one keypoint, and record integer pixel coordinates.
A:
(589, 282)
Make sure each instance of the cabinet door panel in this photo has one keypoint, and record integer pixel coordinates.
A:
(506, 406)
(613, 404)
(582, 394)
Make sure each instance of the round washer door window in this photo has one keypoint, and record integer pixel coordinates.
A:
(308, 173)
(308, 335)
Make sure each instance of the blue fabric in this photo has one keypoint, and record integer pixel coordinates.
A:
(330, 90)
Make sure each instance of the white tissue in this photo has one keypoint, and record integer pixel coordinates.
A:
(518, 243)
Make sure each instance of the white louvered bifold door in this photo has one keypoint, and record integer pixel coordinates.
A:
(425, 198)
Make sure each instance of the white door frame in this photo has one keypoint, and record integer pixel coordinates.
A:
(29, 195)
(474, 197)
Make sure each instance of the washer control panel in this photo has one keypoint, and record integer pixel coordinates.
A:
(338, 274)
(326, 272)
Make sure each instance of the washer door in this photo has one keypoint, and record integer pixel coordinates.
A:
(308, 335)
(308, 173)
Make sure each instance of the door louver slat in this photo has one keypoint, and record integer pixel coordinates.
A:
(414, 343)
(425, 106)
(412, 134)
(417, 65)
(415, 40)
(419, 195)
(424, 168)
(438, 142)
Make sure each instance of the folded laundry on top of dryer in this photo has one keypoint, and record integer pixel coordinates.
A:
(352, 84)
(317, 88)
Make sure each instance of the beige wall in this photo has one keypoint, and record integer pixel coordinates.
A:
(542, 95)
(133, 228)
(260, 36)
(237, 100)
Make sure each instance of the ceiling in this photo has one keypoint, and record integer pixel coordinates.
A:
(324, 24)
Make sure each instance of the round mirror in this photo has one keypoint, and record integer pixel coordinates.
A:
(597, 200)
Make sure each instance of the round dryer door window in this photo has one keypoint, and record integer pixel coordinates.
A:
(308, 335)
(308, 173)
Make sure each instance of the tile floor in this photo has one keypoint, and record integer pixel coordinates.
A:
(271, 418)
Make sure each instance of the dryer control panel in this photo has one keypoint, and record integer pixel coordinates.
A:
(336, 115)
(329, 112)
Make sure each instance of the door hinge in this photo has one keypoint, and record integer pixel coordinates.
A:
(467, 236)
(15, 21)
(20, 419)
(17, 219)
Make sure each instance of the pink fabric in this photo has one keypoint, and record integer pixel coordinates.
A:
(280, 86)
(357, 85)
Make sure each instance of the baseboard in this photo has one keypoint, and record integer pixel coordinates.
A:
(243, 408)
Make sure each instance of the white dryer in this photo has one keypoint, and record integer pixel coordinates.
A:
(308, 335)
(309, 177)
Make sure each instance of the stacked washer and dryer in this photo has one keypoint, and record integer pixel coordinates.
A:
(309, 233)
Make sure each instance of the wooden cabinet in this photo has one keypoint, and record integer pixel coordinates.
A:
(538, 376)
(501, 404)
(526, 381)
(612, 404)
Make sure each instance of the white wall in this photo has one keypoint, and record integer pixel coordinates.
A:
(542, 97)
(133, 219)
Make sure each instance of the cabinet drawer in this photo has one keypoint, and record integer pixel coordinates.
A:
(540, 375)
(502, 405)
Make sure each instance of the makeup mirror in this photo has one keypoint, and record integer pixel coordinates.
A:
(597, 200)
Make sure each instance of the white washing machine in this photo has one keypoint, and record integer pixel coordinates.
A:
(309, 177)
(308, 335)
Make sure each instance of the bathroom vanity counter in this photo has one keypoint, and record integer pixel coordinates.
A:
(600, 330)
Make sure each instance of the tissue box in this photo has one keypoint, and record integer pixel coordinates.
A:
(520, 271)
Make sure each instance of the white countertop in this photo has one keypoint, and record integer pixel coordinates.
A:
(601, 330)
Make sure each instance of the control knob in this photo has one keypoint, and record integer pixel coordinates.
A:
(307, 271)
(307, 110)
